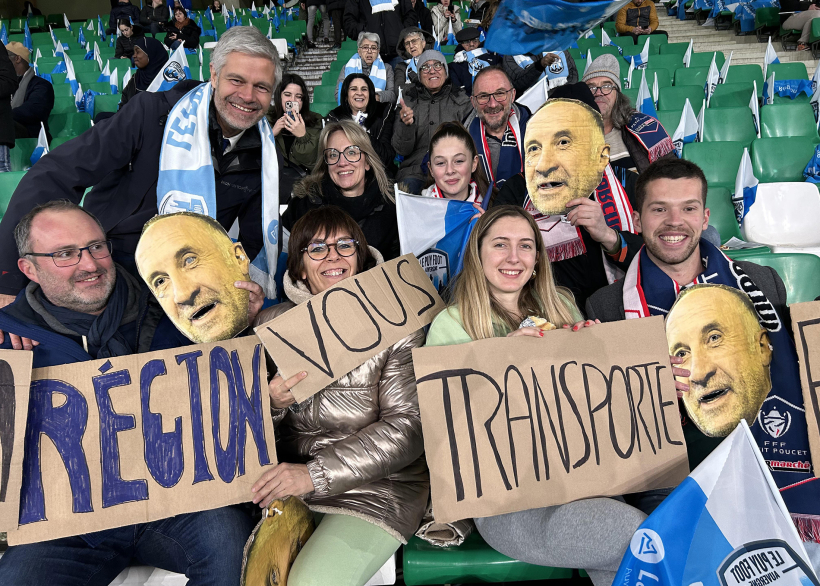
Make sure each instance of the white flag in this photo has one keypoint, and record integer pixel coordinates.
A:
(687, 130)
(724, 71)
(126, 78)
(688, 55)
(629, 74)
(755, 107)
(701, 116)
(712, 79)
(770, 58)
(655, 89)
(768, 90)
(534, 97)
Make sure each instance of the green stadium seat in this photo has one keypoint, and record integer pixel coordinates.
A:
(63, 90)
(8, 183)
(86, 66)
(654, 44)
(86, 78)
(47, 64)
(674, 98)
(671, 62)
(632, 95)
(598, 51)
(705, 59)
(795, 119)
(55, 20)
(722, 212)
(20, 155)
(800, 273)
(349, 44)
(121, 65)
(585, 45)
(718, 160)
(101, 87)
(66, 36)
(664, 79)
(784, 71)
(324, 93)
(729, 95)
(691, 76)
(576, 55)
(55, 142)
(41, 39)
(670, 119)
(16, 25)
(749, 72)
(623, 42)
(72, 124)
(781, 159)
(729, 125)
(322, 108)
(674, 49)
(106, 104)
(64, 106)
(472, 561)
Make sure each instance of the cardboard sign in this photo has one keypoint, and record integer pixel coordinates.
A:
(806, 328)
(519, 423)
(343, 327)
(15, 376)
(144, 437)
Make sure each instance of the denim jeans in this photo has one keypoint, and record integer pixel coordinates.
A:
(5, 159)
(175, 44)
(206, 547)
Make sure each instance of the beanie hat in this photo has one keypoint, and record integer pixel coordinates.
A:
(431, 55)
(575, 91)
(605, 65)
(19, 49)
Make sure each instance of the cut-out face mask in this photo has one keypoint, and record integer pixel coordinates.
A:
(190, 264)
(565, 154)
(715, 330)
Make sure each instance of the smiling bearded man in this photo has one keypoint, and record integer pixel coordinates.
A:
(190, 264)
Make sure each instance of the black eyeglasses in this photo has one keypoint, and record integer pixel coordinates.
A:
(68, 257)
(500, 97)
(604, 90)
(428, 67)
(320, 250)
(351, 152)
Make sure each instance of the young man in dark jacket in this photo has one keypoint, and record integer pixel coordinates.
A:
(81, 306)
(120, 157)
(8, 85)
(33, 101)
(388, 24)
(154, 16)
(122, 11)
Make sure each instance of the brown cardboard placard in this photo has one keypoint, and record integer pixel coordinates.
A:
(15, 377)
(343, 327)
(512, 424)
(144, 437)
(806, 329)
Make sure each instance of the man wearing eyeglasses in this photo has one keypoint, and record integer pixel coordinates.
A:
(470, 58)
(427, 103)
(635, 140)
(80, 305)
(497, 125)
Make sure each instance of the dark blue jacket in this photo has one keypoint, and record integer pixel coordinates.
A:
(123, 12)
(460, 72)
(119, 157)
(152, 331)
(36, 108)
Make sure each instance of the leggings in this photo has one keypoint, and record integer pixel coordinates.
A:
(312, 19)
(592, 534)
(343, 551)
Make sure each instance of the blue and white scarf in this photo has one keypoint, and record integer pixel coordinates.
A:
(473, 59)
(378, 72)
(556, 74)
(186, 176)
(650, 291)
(383, 5)
(412, 65)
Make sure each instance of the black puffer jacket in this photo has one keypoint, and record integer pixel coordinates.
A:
(159, 15)
(388, 25)
(189, 35)
(8, 85)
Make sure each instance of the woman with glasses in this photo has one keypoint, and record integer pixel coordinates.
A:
(428, 102)
(359, 104)
(350, 175)
(358, 441)
(412, 42)
(368, 61)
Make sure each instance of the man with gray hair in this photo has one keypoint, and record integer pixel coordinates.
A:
(123, 158)
(368, 61)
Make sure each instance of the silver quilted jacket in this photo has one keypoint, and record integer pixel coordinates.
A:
(360, 437)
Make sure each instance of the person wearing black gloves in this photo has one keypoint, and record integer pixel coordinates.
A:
(470, 58)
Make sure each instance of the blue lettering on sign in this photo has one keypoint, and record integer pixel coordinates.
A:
(163, 451)
(225, 457)
(249, 409)
(115, 490)
(65, 427)
(201, 470)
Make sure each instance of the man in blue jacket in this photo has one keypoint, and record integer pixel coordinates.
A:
(33, 101)
(80, 306)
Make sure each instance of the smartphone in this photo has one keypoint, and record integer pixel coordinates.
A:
(291, 109)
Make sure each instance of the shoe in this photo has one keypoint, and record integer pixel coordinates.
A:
(802, 47)
(325, 40)
(336, 46)
(310, 44)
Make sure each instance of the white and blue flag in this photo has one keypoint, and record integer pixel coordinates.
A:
(745, 187)
(81, 38)
(607, 42)
(127, 77)
(105, 75)
(628, 81)
(42, 145)
(451, 36)
(4, 34)
(688, 129)
(174, 71)
(114, 82)
(65, 21)
(754, 106)
(440, 246)
(645, 103)
(58, 46)
(437, 46)
(687, 57)
(381, 5)
(70, 76)
(254, 13)
(701, 117)
(724, 525)
(724, 71)
(712, 80)
(769, 89)
(100, 28)
(27, 37)
(769, 59)
(641, 60)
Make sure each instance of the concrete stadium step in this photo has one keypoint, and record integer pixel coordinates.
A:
(310, 64)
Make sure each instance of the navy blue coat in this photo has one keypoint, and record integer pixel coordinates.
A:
(460, 72)
(37, 106)
(119, 157)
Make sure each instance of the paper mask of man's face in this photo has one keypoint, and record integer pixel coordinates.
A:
(565, 154)
(191, 266)
(728, 355)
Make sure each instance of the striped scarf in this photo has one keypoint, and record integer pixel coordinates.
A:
(473, 197)
(556, 74)
(473, 60)
(377, 73)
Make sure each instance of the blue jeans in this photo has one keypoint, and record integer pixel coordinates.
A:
(206, 547)
(5, 159)
(175, 44)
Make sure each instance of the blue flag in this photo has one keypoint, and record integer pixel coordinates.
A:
(27, 38)
(437, 46)
(4, 34)
(745, 187)
(812, 170)
(533, 26)
(42, 145)
(81, 37)
(792, 88)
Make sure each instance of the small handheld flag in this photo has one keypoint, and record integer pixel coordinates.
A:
(42, 145)
(687, 57)
(113, 81)
(65, 21)
(724, 71)
(645, 103)
(126, 78)
(769, 59)
(641, 61)
(687, 130)
(4, 34)
(451, 36)
(755, 107)
(174, 71)
(712, 80)
(745, 187)
(768, 90)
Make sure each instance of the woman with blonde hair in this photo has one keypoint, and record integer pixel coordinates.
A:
(349, 174)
